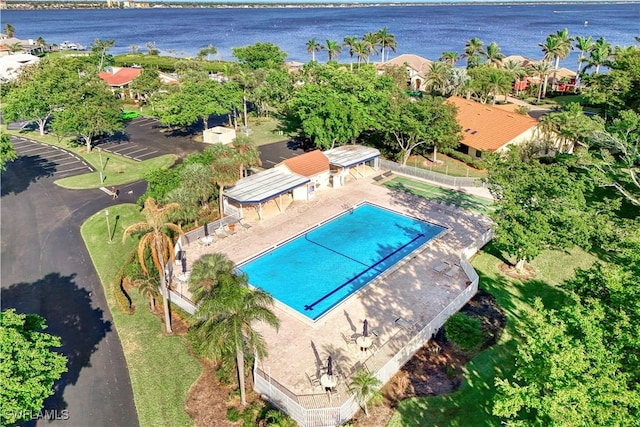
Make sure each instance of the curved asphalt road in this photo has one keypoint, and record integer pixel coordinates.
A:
(46, 269)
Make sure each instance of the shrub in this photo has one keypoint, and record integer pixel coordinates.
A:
(120, 294)
(467, 159)
(464, 331)
(233, 415)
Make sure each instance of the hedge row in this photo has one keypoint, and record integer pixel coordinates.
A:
(123, 300)
(164, 63)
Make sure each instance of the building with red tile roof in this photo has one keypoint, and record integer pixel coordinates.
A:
(314, 165)
(487, 128)
(119, 78)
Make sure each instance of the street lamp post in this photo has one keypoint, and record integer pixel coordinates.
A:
(106, 215)
(101, 165)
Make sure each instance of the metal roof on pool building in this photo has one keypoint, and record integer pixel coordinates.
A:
(349, 155)
(264, 185)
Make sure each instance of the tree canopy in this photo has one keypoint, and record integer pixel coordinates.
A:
(260, 55)
(538, 205)
(28, 365)
(7, 151)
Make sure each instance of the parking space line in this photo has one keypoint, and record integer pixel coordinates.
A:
(133, 147)
(59, 156)
(31, 150)
(68, 170)
(69, 162)
(138, 150)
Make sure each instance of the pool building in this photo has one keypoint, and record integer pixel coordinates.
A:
(405, 293)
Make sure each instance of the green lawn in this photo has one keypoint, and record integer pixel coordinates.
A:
(161, 369)
(473, 402)
(264, 131)
(441, 194)
(449, 166)
(117, 170)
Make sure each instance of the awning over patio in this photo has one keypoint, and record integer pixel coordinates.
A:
(349, 155)
(264, 186)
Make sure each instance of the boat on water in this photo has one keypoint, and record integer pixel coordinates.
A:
(71, 46)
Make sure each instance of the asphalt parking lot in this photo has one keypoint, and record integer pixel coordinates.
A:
(56, 161)
(272, 154)
(145, 138)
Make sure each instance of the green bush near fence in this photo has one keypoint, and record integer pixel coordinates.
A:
(464, 331)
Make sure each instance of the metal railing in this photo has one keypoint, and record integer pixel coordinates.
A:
(291, 403)
(453, 181)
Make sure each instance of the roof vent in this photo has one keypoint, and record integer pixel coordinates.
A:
(474, 132)
(467, 129)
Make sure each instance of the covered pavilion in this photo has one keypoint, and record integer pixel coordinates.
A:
(351, 160)
(263, 187)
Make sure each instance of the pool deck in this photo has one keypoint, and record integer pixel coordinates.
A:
(413, 291)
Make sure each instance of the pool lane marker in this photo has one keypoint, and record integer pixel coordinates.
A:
(309, 307)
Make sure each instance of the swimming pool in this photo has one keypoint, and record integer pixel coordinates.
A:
(315, 271)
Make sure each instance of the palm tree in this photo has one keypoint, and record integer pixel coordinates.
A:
(247, 153)
(226, 321)
(365, 389)
(333, 49)
(40, 41)
(361, 51)
(542, 69)
(101, 47)
(493, 55)
(206, 274)
(9, 30)
(450, 57)
(350, 43)
(386, 41)
(247, 80)
(473, 51)
(16, 47)
(438, 77)
(158, 242)
(599, 54)
(148, 286)
(516, 69)
(557, 47)
(312, 47)
(583, 44)
(224, 170)
(499, 83)
(371, 43)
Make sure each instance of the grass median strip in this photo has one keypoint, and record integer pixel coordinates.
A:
(160, 367)
(116, 170)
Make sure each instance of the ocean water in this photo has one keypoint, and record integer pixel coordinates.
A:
(426, 30)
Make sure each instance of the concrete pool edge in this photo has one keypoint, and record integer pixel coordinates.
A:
(318, 321)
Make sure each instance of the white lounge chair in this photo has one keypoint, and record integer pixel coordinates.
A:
(441, 267)
(452, 271)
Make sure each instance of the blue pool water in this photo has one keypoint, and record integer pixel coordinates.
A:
(320, 268)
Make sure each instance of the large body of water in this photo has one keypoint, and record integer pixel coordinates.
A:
(426, 30)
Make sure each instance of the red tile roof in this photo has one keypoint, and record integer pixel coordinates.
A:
(121, 76)
(488, 128)
(308, 164)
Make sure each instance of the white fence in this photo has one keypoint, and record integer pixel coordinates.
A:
(330, 416)
(453, 181)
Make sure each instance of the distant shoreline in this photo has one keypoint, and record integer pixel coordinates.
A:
(142, 4)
